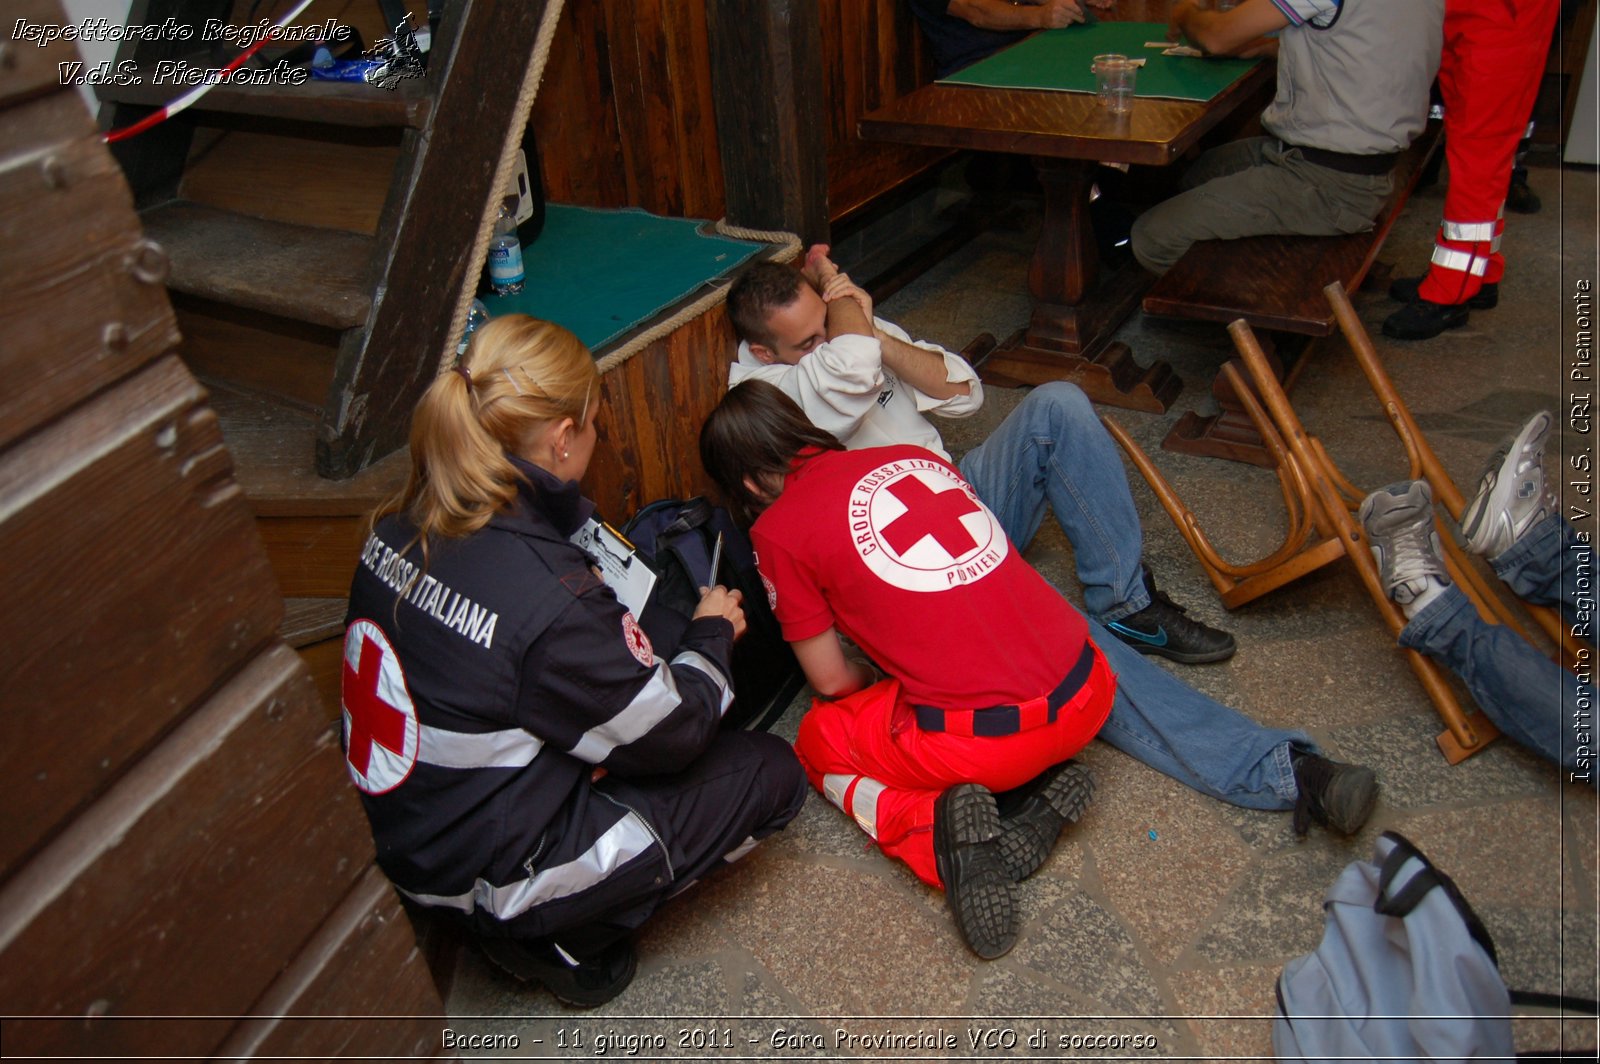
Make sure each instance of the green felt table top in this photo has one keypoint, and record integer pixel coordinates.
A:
(601, 272)
(1060, 60)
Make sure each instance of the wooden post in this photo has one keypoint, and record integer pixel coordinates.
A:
(766, 66)
(425, 239)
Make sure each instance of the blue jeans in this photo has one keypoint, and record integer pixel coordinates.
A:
(1052, 448)
(1176, 730)
(1530, 698)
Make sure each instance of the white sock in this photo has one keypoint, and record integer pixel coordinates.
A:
(1413, 595)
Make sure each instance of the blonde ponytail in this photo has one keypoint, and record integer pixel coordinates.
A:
(519, 375)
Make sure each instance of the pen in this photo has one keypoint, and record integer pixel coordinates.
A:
(716, 559)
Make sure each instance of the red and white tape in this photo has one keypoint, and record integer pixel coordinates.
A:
(189, 98)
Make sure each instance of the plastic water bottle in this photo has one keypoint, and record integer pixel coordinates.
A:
(476, 316)
(505, 255)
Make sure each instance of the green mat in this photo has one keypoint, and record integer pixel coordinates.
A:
(601, 272)
(1059, 60)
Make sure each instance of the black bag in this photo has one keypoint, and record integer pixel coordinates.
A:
(677, 537)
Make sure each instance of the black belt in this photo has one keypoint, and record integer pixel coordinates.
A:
(1344, 162)
(995, 721)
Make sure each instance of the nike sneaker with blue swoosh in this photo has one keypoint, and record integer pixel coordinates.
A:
(1165, 628)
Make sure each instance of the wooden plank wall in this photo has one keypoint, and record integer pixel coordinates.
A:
(649, 445)
(625, 114)
(872, 53)
(180, 838)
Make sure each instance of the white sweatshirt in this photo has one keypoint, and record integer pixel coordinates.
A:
(843, 388)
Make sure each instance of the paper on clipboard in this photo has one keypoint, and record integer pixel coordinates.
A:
(624, 571)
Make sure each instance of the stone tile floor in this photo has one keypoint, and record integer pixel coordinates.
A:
(1164, 918)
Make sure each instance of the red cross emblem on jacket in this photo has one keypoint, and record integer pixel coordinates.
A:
(380, 723)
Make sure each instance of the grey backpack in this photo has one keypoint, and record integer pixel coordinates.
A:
(1405, 971)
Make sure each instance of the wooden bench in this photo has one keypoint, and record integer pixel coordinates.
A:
(1274, 283)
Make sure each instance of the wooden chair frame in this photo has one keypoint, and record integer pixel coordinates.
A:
(1321, 502)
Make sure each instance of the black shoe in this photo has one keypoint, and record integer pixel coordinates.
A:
(1337, 796)
(585, 985)
(1404, 290)
(1037, 811)
(1520, 199)
(1422, 320)
(1165, 628)
(981, 895)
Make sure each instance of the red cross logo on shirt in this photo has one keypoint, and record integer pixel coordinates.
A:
(917, 526)
(930, 513)
(371, 719)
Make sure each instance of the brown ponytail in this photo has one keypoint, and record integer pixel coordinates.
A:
(752, 438)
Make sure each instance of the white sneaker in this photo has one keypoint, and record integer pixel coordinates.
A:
(1513, 494)
(1400, 531)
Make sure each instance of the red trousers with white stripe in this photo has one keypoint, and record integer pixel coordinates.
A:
(867, 756)
(1494, 53)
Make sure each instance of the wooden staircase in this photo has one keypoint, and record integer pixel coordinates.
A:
(161, 739)
(318, 238)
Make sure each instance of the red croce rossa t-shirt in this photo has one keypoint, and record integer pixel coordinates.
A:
(893, 549)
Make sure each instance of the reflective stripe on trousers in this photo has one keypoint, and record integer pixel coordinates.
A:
(626, 839)
(857, 796)
(1460, 261)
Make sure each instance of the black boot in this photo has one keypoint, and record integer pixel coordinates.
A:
(1520, 199)
(1032, 816)
(1406, 289)
(584, 984)
(1423, 320)
(966, 845)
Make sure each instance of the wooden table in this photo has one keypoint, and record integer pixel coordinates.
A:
(1076, 308)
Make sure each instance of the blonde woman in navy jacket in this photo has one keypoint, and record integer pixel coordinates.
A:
(530, 764)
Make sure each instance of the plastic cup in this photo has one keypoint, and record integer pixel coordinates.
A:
(1102, 89)
(1115, 77)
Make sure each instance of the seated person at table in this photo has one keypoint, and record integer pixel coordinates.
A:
(961, 32)
(529, 766)
(994, 678)
(1353, 80)
(1515, 522)
(864, 381)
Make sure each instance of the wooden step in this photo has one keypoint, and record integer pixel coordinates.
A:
(298, 272)
(312, 527)
(307, 621)
(334, 103)
(315, 628)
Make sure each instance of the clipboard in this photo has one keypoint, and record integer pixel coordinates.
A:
(625, 572)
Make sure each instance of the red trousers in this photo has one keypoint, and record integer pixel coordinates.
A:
(1494, 53)
(867, 756)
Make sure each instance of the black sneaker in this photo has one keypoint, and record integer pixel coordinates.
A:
(1422, 320)
(1405, 290)
(981, 895)
(583, 984)
(1165, 628)
(1034, 814)
(1337, 796)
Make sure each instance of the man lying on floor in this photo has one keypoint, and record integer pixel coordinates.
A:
(994, 680)
(863, 380)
